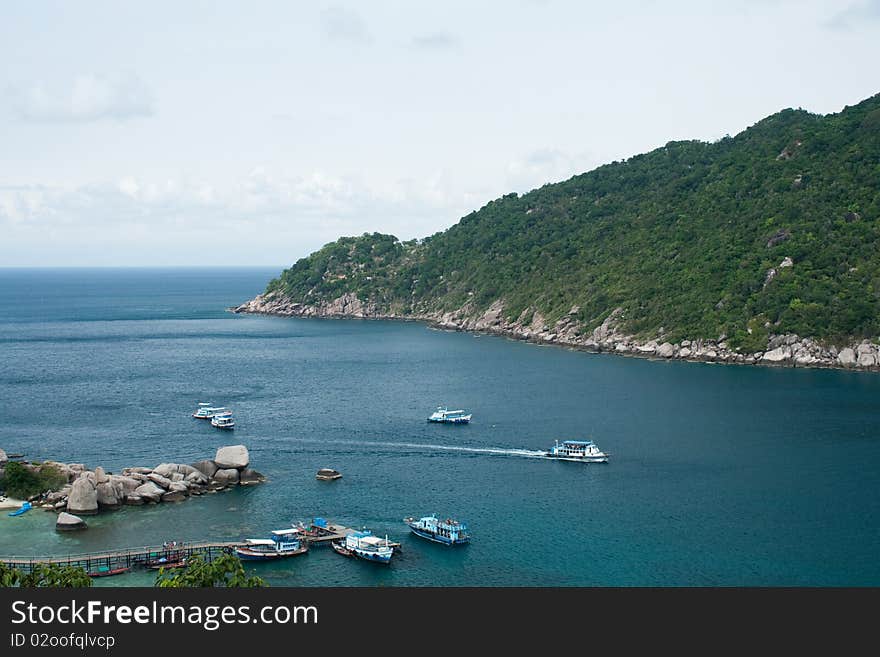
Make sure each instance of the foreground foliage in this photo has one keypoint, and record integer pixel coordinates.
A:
(225, 571)
(683, 238)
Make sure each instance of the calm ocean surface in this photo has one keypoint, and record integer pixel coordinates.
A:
(719, 475)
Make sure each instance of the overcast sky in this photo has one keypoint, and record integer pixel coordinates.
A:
(251, 133)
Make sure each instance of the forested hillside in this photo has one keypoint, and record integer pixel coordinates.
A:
(775, 230)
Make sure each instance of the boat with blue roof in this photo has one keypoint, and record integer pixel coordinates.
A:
(206, 411)
(582, 451)
(447, 532)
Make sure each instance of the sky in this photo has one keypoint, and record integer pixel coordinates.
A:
(251, 133)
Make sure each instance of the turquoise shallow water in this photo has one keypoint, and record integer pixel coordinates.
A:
(720, 475)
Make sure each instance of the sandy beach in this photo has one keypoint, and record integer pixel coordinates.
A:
(10, 502)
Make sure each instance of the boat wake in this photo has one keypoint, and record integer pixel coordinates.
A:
(495, 451)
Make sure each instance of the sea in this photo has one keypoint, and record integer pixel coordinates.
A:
(719, 475)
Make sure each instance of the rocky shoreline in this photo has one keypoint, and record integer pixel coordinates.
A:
(782, 350)
(88, 492)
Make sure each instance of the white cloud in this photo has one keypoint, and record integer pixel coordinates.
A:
(546, 165)
(84, 98)
(435, 41)
(267, 216)
(856, 15)
(344, 24)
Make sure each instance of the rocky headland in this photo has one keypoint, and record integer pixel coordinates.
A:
(781, 349)
(91, 491)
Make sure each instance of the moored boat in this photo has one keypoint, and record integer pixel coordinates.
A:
(24, 508)
(339, 548)
(327, 474)
(106, 571)
(444, 415)
(447, 532)
(281, 543)
(364, 545)
(584, 451)
(167, 562)
(223, 420)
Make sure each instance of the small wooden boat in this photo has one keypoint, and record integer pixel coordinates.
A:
(340, 548)
(327, 474)
(105, 571)
(282, 543)
(171, 560)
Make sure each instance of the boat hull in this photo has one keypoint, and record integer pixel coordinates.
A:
(251, 555)
(371, 556)
(443, 540)
(578, 459)
(108, 573)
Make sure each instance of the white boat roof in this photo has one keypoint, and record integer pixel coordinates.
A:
(373, 540)
(286, 532)
(259, 541)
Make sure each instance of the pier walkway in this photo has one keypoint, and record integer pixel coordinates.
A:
(152, 556)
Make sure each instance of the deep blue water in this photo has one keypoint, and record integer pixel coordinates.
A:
(720, 475)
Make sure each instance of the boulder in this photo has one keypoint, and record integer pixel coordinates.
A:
(68, 522)
(173, 496)
(685, 351)
(159, 479)
(665, 350)
(176, 476)
(165, 469)
(149, 492)
(177, 487)
(777, 355)
(129, 484)
(108, 495)
(83, 497)
(867, 359)
(846, 357)
(100, 475)
(227, 476)
(249, 476)
(233, 456)
(207, 468)
(138, 470)
(60, 506)
(196, 477)
(134, 500)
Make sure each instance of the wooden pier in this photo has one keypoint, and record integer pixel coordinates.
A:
(149, 555)
(137, 557)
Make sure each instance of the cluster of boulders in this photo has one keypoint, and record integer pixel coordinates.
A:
(785, 349)
(89, 491)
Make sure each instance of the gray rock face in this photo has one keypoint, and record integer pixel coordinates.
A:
(128, 484)
(777, 355)
(227, 476)
(196, 477)
(83, 497)
(177, 487)
(68, 522)
(173, 497)
(107, 495)
(134, 500)
(149, 492)
(100, 475)
(159, 479)
(138, 470)
(207, 468)
(249, 476)
(846, 357)
(867, 360)
(233, 456)
(665, 350)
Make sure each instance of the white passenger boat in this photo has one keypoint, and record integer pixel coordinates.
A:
(584, 451)
(223, 420)
(444, 415)
(206, 411)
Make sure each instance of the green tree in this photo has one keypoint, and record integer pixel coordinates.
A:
(45, 575)
(226, 570)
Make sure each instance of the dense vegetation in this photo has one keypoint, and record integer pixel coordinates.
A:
(22, 482)
(225, 571)
(682, 238)
(45, 575)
